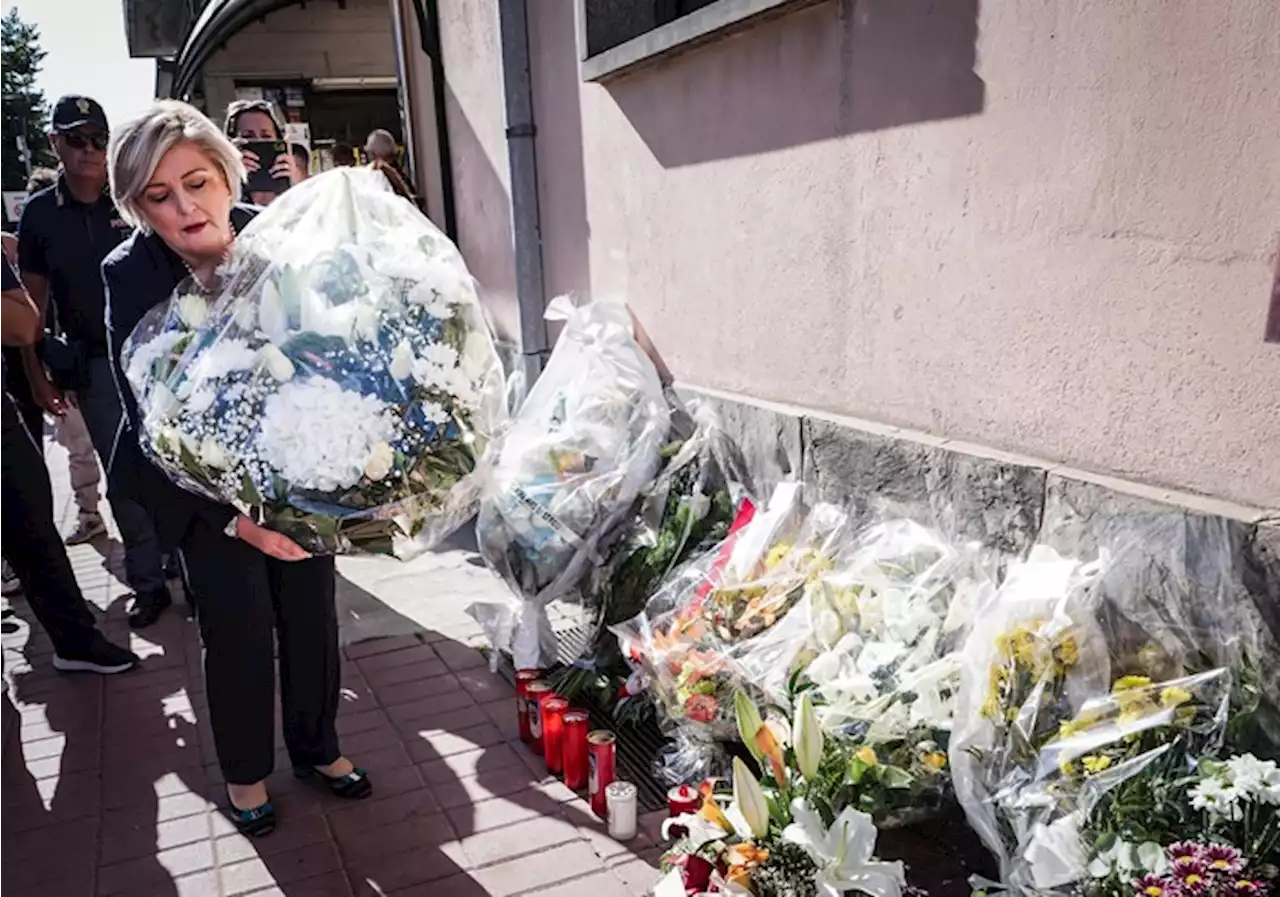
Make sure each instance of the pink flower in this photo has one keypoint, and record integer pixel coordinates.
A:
(1154, 886)
(1183, 850)
(1192, 875)
(701, 708)
(1249, 887)
(1222, 859)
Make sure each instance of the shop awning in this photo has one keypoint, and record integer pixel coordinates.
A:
(219, 21)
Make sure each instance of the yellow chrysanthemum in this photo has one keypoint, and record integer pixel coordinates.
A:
(1067, 728)
(990, 707)
(1067, 767)
(776, 555)
(867, 755)
(1174, 696)
(1067, 651)
(1130, 683)
(1096, 763)
(935, 760)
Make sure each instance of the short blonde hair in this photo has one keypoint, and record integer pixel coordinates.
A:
(137, 148)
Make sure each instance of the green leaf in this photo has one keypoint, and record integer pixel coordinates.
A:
(858, 770)
(895, 777)
(248, 492)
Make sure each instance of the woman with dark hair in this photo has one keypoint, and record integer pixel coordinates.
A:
(261, 595)
(255, 120)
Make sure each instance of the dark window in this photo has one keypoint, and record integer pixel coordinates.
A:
(613, 22)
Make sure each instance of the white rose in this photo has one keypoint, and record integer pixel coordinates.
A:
(378, 464)
(212, 455)
(402, 361)
(192, 310)
(276, 362)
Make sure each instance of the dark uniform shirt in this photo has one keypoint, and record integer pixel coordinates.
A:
(65, 241)
(140, 274)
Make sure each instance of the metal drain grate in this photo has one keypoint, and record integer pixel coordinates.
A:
(637, 745)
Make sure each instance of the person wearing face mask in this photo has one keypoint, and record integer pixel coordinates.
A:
(177, 177)
(252, 120)
(64, 234)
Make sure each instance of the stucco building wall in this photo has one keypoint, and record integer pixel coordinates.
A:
(1049, 228)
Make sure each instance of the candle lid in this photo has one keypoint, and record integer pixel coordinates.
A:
(538, 686)
(576, 716)
(602, 736)
(682, 793)
(620, 790)
(556, 705)
(527, 675)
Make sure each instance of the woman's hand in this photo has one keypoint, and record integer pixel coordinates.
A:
(287, 166)
(269, 542)
(251, 161)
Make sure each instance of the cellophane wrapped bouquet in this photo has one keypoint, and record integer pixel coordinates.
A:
(338, 383)
(876, 641)
(584, 443)
(1110, 738)
(685, 511)
(687, 639)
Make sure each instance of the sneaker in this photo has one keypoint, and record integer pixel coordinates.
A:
(89, 527)
(101, 656)
(148, 606)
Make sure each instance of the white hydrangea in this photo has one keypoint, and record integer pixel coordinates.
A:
(318, 435)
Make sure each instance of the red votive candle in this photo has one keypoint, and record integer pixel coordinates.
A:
(601, 769)
(523, 678)
(534, 693)
(553, 710)
(574, 749)
(682, 800)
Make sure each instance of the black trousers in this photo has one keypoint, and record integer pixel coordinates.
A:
(32, 544)
(251, 604)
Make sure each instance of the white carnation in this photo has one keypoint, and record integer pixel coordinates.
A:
(441, 355)
(147, 354)
(212, 454)
(224, 357)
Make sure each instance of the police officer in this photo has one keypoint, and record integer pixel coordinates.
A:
(64, 234)
(30, 538)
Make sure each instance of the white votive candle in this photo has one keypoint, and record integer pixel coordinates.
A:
(621, 800)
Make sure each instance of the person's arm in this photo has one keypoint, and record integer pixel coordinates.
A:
(642, 337)
(20, 319)
(33, 264)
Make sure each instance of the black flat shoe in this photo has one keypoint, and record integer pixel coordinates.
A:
(255, 823)
(353, 786)
(148, 607)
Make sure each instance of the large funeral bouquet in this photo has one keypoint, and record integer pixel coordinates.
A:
(338, 382)
(1109, 722)
(685, 511)
(584, 443)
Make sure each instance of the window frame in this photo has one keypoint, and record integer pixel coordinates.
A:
(702, 26)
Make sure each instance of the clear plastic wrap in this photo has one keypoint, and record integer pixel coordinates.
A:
(1094, 696)
(684, 512)
(338, 383)
(584, 443)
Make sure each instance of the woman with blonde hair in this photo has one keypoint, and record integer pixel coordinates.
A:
(176, 176)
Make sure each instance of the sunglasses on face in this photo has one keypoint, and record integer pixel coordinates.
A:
(79, 141)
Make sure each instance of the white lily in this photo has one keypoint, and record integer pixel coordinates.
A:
(212, 454)
(808, 737)
(276, 362)
(843, 852)
(749, 798)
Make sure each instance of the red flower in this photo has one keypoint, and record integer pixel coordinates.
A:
(1192, 875)
(1222, 858)
(695, 872)
(701, 708)
(1250, 887)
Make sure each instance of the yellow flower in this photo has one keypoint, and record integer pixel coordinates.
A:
(1067, 728)
(990, 707)
(1096, 763)
(1067, 651)
(1130, 683)
(1067, 767)
(1004, 643)
(935, 760)
(776, 555)
(1174, 695)
(867, 755)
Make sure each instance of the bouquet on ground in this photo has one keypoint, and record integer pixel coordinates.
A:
(1105, 735)
(684, 512)
(876, 640)
(584, 443)
(789, 832)
(338, 383)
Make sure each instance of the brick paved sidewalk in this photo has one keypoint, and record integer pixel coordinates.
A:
(111, 787)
